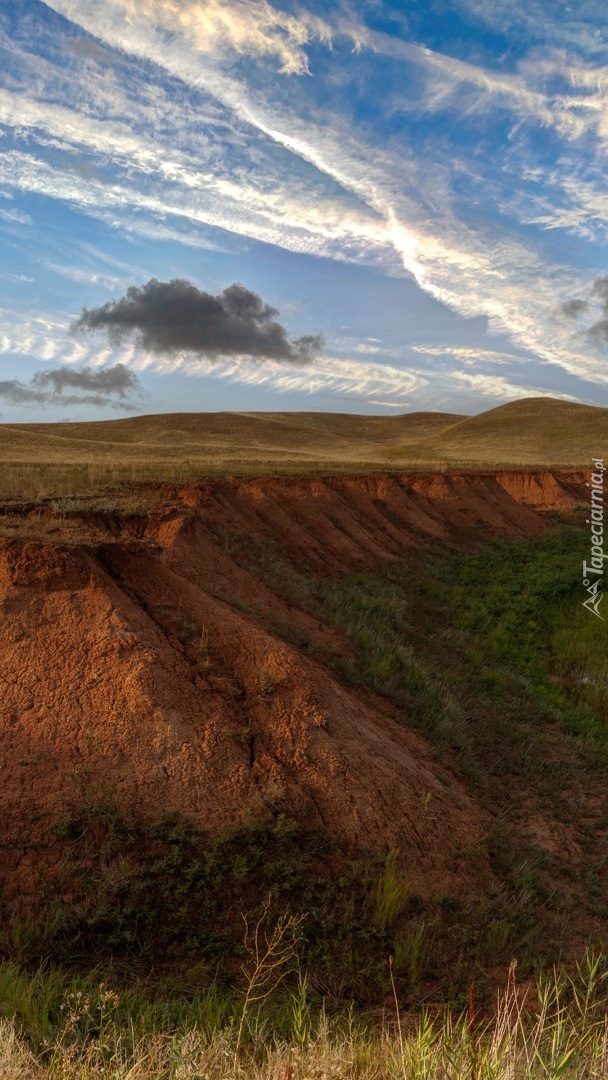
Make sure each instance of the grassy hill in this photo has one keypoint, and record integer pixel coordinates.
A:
(214, 438)
(534, 432)
(73, 458)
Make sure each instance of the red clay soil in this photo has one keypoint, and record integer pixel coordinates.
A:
(136, 661)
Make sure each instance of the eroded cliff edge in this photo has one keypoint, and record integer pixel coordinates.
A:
(138, 659)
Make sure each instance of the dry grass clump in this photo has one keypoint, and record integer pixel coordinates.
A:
(71, 483)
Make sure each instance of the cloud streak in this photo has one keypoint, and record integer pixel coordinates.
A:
(245, 27)
(364, 381)
(496, 386)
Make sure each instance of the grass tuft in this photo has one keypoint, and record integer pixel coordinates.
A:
(392, 894)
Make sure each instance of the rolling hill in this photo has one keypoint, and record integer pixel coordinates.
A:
(533, 432)
(76, 458)
(215, 439)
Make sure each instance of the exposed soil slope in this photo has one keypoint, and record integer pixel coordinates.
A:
(137, 660)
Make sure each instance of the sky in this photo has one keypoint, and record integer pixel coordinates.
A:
(373, 206)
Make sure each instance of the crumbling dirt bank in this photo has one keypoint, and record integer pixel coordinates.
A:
(137, 664)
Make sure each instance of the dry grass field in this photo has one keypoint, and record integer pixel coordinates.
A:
(39, 460)
(221, 440)
(46, 460)
(532, 433)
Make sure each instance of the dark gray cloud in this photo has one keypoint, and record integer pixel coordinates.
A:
(111, 386)
(574, 308)
(596, 303)
(117, 381)
(600, 288)
(176, 316)
(599, 331)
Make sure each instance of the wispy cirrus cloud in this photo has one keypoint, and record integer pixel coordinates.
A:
(281, 220)
(498, 387)
(337, 376)
(248, 27)
(470, 356)
(221, 118)
(14, 217)
(453, 259)
(561, 22)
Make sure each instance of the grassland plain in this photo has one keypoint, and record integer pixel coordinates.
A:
(144, 966)
(73, 459)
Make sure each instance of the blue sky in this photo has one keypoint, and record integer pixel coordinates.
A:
(422, 184)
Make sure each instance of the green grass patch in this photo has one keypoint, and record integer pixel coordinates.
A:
(53, 1026)
(502, 625)
(517, 610)
(158, 893)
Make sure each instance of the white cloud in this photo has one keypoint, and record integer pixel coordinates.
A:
(452, 74)
(367, 349)
(561, 22)
(355, 378)
(469, 355)
(292, 226)
(495, 386)
(88, 276)
(16, 277)
(248, 27)
(310, 183)
(152, 227)
(15, 217)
